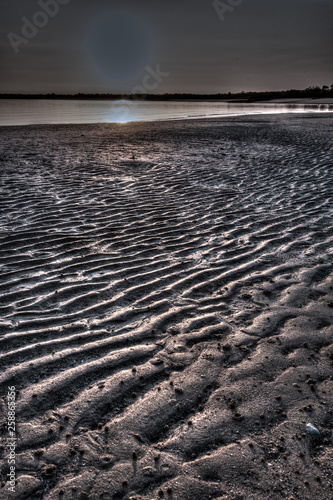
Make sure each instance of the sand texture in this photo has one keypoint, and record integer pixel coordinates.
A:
(166, 307)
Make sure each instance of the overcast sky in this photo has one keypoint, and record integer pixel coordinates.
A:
(193, 45)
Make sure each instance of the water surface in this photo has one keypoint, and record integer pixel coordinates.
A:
(36, 111)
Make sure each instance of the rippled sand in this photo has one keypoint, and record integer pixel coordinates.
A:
(166, 309)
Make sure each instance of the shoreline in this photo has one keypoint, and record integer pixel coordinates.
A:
(182, 119)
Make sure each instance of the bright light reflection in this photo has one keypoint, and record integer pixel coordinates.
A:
(121, 112)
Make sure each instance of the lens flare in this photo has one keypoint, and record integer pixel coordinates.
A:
(120, 46)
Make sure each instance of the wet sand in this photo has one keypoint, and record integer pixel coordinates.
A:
(166, 307)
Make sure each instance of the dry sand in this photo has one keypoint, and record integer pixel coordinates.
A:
(167, 319)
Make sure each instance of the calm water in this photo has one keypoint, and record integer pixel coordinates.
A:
(31, 111)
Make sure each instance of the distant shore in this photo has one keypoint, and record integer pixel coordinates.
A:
(301, 96)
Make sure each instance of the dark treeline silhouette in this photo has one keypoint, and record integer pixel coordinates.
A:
(314, 92)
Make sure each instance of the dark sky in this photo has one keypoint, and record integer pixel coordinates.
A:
(107, 45)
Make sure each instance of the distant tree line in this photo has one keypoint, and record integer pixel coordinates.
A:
(314, 92)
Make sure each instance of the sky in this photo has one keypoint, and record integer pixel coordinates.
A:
(164, 46)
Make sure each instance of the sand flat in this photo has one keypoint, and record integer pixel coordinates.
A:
(166, 307)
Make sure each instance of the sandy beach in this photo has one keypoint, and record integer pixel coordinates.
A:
(166, 309)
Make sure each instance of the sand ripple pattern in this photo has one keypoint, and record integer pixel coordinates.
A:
(167, 316)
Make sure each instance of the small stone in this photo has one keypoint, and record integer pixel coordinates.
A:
(312, 430)
(138, 437)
